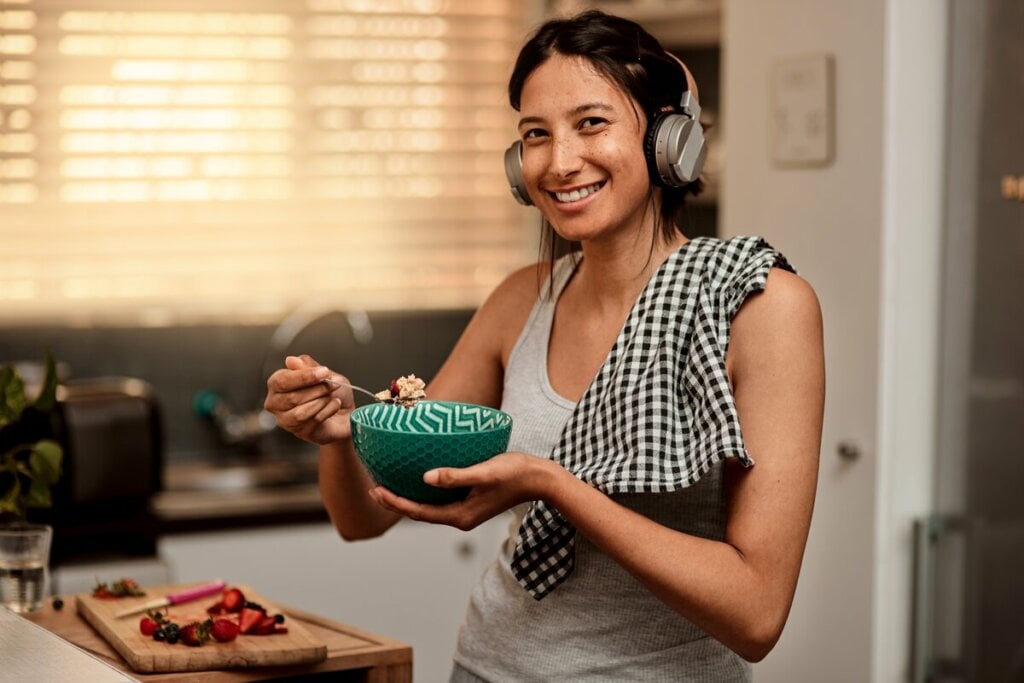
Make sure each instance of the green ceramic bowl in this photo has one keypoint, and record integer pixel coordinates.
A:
(397, 445)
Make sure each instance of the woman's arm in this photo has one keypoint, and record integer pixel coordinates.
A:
(739, 590)
(473, 372)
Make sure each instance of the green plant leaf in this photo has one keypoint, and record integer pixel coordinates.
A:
(47, 398)
(13, 389)
(38, 495)
(11, 501)
(45, 463)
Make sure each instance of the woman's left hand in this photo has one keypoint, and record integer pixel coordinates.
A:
(495, 486)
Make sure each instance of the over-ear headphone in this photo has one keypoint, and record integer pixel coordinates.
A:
(674, 147)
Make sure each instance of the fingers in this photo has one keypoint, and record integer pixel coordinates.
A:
(485, 473)
(462, 515)
(299, 362)
(289, 379)
(328, 411)
(281, 401)
(451, 477)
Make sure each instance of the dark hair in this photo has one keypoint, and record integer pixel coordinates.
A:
(631, 58)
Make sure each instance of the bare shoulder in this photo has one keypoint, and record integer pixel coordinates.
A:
(786, 298)
(782, 322)
(474, 370)
(507, 308)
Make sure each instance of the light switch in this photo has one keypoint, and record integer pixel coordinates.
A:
(802, 111)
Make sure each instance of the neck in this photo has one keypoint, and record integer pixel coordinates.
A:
(613, 273)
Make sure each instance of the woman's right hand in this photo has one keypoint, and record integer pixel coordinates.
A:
(305, 405)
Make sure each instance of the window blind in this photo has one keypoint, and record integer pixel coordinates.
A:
(169, 160)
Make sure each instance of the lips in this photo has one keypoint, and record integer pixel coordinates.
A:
(577, 194)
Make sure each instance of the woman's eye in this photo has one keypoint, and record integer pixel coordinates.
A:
(592, 122)
(533, 133)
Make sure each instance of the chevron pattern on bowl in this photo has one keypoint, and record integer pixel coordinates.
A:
(397, 445)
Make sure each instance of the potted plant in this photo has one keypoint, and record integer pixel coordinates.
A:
(30, 465)
(30, 459)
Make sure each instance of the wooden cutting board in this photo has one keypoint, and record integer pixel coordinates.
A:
(145, 655)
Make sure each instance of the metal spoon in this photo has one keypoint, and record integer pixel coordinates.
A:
(338, 383)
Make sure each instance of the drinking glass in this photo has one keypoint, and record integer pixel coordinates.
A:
(24, 565)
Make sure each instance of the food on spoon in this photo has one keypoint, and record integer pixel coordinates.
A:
(404, 391)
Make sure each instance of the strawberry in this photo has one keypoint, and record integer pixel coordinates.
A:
(147, 626)
(265, 627)
(217, 608)
(249, 618)
(119, 589)
(224, 630)
(233, 600)
(395, 389)
(195, 633)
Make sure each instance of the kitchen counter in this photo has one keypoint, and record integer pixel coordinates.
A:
(352, 654)
(197, 497)
(203, 496)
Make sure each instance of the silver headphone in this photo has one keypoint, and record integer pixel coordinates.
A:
(674, 147)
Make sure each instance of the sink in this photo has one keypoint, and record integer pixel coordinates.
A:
(262, 473)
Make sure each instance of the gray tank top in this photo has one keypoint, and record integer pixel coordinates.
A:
(601, 624)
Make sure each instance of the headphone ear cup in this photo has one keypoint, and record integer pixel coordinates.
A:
(514, 173)
(675, 149)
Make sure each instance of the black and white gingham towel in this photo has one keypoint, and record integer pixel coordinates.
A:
(660, 411)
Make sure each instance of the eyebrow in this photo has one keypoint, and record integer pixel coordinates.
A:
(576, 111)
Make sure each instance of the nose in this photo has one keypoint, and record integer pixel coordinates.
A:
(566, 156)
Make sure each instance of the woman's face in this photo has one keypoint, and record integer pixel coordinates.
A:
(583, 159)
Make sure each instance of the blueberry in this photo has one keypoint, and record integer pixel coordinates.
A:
(172, 639)
(58, 604)
(159, 635)
(279, 618)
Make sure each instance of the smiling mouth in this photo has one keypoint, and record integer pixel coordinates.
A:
(576, 195)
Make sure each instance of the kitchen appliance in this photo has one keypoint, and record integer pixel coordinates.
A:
(112, 436)
(111, 431)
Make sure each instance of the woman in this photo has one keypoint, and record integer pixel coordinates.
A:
(645, 373)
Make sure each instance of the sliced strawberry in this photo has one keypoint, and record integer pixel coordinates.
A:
(280, 629)
(249, 618)
(233, 600)
(191, 634)
(224, 630)
(217, 608)
(265, 627)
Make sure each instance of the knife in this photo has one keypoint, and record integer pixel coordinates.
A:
(194, 593)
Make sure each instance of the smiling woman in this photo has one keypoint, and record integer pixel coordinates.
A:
(645, 375)
(175, 163)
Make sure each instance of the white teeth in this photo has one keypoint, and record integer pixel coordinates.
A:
(577, 195)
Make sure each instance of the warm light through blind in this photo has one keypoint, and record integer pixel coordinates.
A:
(173, 160)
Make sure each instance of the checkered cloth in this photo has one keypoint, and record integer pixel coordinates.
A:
(660, 411)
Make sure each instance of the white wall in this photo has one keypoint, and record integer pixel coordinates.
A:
(915, 153)
(853, 228)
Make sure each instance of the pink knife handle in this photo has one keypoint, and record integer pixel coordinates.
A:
(196, 593)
